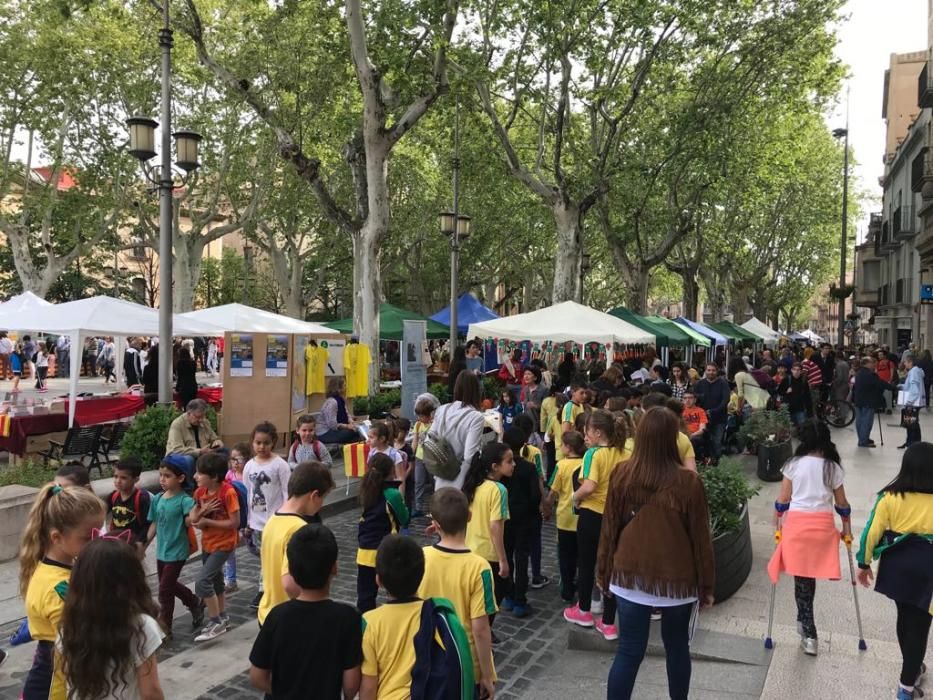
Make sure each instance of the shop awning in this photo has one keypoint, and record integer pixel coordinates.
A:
(693, 338)
(391, 324)
(734, 332)
(715, 336)
(667, 333)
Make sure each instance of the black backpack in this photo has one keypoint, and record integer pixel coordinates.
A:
(443, 667)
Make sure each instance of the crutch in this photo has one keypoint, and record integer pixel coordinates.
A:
(847, 538)
(769, 643)
(880, 429)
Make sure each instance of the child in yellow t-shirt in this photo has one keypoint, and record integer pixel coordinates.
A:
(564, 481)
(425, 406)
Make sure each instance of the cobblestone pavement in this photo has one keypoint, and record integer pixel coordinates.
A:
(527, 647)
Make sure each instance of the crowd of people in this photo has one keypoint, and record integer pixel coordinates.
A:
(610, 454)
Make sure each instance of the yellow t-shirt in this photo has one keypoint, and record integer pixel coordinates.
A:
(548, 411)
(388, 647)
(45, 602)
(356, 362)
(562, 484)
(598, 465)
(316, 361)
(490, 502)
(533, 455)
(275, 536)
(684, 447)
(465, 579)
(570, 412)
(421, 430)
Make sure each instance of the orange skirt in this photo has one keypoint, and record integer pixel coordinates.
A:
(809, 547)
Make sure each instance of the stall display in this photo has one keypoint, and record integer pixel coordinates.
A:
(316, 360)
(277, 356)
(356, 363)
(241, 355)
(105, 409)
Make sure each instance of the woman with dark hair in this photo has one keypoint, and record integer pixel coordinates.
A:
(678, 381)
(532, 395)
(461, 424)
(655, 552)
(926, 364)
(151, 377)
(457, 364)
(808, 548)
(186, 383)
(565, 371)
(334, 425)
(898, 533)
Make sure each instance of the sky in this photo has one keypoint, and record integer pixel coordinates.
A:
(874, 30)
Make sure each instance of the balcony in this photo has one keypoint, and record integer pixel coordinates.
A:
(904, 224)
(918, 170)
(888, 242)
(883, 295)
(866, 298)
(899, 291)
(925, 86)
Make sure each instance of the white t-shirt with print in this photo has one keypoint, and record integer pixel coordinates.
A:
(810, 494)
(266, 489)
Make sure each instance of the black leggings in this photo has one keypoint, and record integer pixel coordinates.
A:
(913, 629)
(589, 524)
(804, 592)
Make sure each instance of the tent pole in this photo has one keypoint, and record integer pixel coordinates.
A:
(77, 351)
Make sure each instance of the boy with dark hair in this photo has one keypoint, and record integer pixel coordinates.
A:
(389, 631)
(453, 572)
(309, 646)
(574, 407)
(128, 506)
(525, 492)
(532, 452)
(308, 485)
(73, 475)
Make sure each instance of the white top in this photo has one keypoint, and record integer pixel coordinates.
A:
(462, 426)
(390, 452)
(633, 595)
(640, 375)
(152, 637)
(266, 489)
(810, 494)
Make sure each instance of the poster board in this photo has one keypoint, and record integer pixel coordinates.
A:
(277, 355)
(241, 353)
(414, 370)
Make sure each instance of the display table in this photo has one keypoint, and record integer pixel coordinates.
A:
(22, 427)
(106, 409)
(214, 395)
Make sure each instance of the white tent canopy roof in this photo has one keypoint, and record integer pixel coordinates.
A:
(27, 301)
(811, 336)
(564, 322)
(766, 333)
(238, 318)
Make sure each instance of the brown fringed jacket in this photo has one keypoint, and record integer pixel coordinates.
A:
(657, 542)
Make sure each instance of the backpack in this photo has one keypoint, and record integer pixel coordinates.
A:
(443, 667)
(438, 454)
(242, 498)
(137, 497)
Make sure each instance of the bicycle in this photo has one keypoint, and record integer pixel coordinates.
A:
(838, 413)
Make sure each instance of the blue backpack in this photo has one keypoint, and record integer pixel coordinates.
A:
(443, 667)
(242, 498)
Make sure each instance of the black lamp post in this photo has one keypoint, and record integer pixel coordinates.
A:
(843, 134)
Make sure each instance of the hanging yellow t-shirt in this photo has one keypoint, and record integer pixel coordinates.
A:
(356, 362)
(316, 361)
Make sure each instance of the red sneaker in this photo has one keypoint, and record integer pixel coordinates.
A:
(578, 617)
(610, 632)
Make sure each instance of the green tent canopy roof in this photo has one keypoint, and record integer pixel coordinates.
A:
(666, 334)
(730, 330)
(391, 326)
(696, 338)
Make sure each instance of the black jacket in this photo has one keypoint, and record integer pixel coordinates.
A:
(713, 397)
(795, 394)
(869, 389)
(524, 494)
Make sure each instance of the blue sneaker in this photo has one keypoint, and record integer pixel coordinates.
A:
(904, 694)
(520, 610)
(506, 604)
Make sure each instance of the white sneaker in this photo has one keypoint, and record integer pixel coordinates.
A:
(212, 631)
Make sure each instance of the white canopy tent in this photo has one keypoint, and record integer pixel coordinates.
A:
(561, 323)
(766, 333)
(27, 301)
(239, 318)
(811, 336)
(98, 316)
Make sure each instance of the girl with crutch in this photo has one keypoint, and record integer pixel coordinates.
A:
(808, 548)
(899, 533)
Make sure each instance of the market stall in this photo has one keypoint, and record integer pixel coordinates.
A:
(768, 335)
(667, 334)
(274, 367)
(391, 324)
(469, 310)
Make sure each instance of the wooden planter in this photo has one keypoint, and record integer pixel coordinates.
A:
(771, 458)
(733, 554)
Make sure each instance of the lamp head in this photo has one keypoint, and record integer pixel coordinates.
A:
(142, 137)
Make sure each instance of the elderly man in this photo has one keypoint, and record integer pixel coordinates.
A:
(190, 435)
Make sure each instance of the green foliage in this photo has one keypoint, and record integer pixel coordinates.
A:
(766, 427)
(361, 406)
(491, 388)
(440, 392)
(147, 434)
(383, 402)
(27, 473)
(727, 491)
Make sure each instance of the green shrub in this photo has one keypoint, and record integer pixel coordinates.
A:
(145, 438)
(383, 402)
(491, 388)
(27, 473)
(440, 392)
(766, 427)
(727, 490)
(361, 406)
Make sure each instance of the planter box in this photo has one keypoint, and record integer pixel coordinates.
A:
(733, 554)
(771, 458)
(15, 504)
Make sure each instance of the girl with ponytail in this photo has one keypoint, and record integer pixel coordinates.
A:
(60, 524)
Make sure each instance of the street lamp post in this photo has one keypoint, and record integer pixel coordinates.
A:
(458, 228)
(142, 146)
(843, 134)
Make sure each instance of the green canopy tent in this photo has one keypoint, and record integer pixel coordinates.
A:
(390, 324)
(693, 338)
(667, 335)
(734, 332)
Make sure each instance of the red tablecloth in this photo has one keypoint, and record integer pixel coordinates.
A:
(24, 426)
(106, 409)
(214, 395)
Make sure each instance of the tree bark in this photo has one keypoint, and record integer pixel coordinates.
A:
(636, 279)
(691, 294)
(567, 262)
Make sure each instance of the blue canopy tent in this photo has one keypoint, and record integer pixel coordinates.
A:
(469, 310)
(715, 336)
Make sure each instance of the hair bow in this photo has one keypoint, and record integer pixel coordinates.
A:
(126, 536)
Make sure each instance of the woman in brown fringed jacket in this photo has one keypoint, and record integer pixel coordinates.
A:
(655, 551)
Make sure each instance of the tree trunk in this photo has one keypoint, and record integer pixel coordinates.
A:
(739, 304)
(567, 260)
(186, 270)
(636, 288)
(691, 294)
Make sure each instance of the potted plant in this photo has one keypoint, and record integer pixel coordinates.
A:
(770, 432)
(727, 492)
(361, 408)
(440, 392)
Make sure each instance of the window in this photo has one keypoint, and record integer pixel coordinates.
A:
(139, 290)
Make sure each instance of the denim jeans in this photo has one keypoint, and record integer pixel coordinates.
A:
(634, 625)
(715, 432)
(864, 419)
